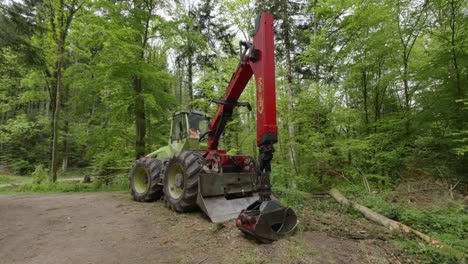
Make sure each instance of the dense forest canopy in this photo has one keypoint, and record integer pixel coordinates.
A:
(371, 91)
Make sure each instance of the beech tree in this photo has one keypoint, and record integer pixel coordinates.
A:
(366, 91)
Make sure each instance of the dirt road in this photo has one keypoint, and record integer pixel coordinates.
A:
(111, 228)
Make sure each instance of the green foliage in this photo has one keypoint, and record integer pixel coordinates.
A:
(349, 106)
(362, 104)
(280, 176)
(22, 167)
(119, 182)
(447, 224)
(424, 253)
(379, 204)
(15, 140)
(59, 187)
(292, 198)
(110, 161)
(308, 183)
(373, 90)
(39, 175)
(38, 182)
(10, 179)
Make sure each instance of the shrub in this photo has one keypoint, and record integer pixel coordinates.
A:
(39, 175)
(291, 197)
(22, 167)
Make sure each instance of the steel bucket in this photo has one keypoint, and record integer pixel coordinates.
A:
(267, 221)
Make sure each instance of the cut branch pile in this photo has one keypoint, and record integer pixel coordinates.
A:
(393, 225)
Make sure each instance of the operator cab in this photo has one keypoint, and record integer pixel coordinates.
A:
(188, 124)
(198, 124)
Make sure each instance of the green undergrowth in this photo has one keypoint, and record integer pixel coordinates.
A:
(448, 223)
(36, 184)
(13, 179)
(74, 173)
(292, 198)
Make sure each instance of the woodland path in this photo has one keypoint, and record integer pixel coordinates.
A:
(109, 227)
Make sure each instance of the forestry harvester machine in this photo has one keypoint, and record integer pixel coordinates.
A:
(191, 172)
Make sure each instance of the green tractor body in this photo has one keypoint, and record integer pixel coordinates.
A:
(179, 173)
(186, 128)
(193, 173)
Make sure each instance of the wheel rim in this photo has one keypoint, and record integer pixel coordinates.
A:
(140, 180)
(175, 182)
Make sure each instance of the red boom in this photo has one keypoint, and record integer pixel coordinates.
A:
(265, 219)
(260, 62)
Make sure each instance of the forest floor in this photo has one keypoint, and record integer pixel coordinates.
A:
(108, 227)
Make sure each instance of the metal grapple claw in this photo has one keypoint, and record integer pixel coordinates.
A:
(267, 221)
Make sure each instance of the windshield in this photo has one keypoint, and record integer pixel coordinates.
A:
(198, 124)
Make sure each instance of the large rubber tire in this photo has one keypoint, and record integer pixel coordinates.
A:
(144, 177)
(181, 181)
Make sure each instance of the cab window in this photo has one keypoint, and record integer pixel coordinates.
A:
(179, 128)
(198, 124)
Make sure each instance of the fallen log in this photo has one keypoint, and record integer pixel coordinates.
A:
(394, 225)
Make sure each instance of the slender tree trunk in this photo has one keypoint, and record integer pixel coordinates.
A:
(140, 122)
(179, 84)
(63, 25)
(316, 32)
(459, 95)
(190, 76)
(181, 87)
(365, 97)
(60, 21)
(60, 54)
(407, 93)
(377, 104)
(140, 114)
(289, 83)
(458, 87)
(408, 38)
(65, 147)
(46, 107)
(189, 53)
(405, 82)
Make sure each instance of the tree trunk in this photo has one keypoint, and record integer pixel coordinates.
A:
(405, 82)
(407, 93)
(65, 147)
(316, 32)
(189, 50)
(458, 88)
(140, 122)
(365, 97)
(407, 43)
(392, 224)
(380, 89)
(190, 77)
(53, 175)
(60, 21)
(289, 81)
(140, 115)
(62, 31)
(180, 79)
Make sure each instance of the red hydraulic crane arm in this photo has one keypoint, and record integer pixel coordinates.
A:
(260, 62)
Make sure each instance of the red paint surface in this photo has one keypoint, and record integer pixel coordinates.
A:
(264, 70)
